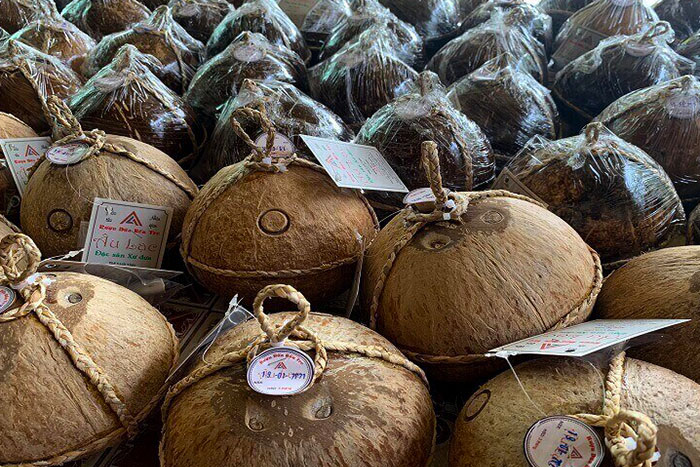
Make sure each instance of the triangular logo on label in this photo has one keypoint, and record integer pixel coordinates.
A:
(132, 219)
(280, 366)
(31, 152)
(575, 454)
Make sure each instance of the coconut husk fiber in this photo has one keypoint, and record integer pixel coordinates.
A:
(18, 13)
(690, 48)
(508, 104)
(264, 17)
(320, 21)
(502, 34)
(482, 269)
(290, 111)
(684, 16)
(398, 129)
(126, 99)
(615, 196)
(561, 10)
(491, 428)
(27, 79)
(59, 198)
(599, 20)
(368, 395)
(179, 53)
(617, 66)
(11, 127)
(102, 17)
(249, 56)
(432, 18)
(663, 284)
(76, 376)
(200, 17)
(664, 121)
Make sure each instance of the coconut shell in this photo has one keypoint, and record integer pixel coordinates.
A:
(200, 17)
(398, 129)
(616, 196)
(290, 111)
(264, 17)
(48, 406)
(432, 18)
(179, 53)
(126, 99)
(664, 121)
(690, 48)
(684, 16)
(320, 21)
(492, 426)
(20, 65)
(102, 17)
(561, 10)
(18, 13)
(11, 127)
(509, 270)
(358, 405)
(250, 56)
(58, 198)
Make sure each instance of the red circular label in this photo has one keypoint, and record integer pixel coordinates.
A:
(7, 298)
(563, 442)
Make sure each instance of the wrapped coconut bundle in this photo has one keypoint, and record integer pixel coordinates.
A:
(432, 18)
(59, 195)
(690, 48)
(353, 369)
(641, 408)
(500, 266)
(102, 17)
(561, 10)
(684, 16)
(18, 13)
(502, 34)
(662, 284)
(200, 17)
(508, 104)
(289, 110)
(10, 127)
(615, 196)
(617, 66)
(76, 376)
(264, 17)
(597, 21)
(291, 222)
(250, 56)
(27, 79)
(362, 77)
(664, 121)
(398, 129)
(179, 53)
(320, 21)
(55, 36)
(126, 99)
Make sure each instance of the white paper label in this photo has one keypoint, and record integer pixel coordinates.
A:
(563, 442)
(7, 298)
(281, 371)
(21, 154)
(584, 339)
(248, 53)
(354, 165)
(282, 146)
(67, 154)
(683, 106)
(419, 195)
(127, 234)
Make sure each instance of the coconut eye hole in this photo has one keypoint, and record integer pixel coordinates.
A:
(273, 222)
(74, 298)
(435, 241)
(680, 460)
(476, 405)
(60, 220)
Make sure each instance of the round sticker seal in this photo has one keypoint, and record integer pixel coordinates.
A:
(249, 53)
(281, 147)
(682, 106)
(67, 154)
(281, 371)
(565, 441)
(7, 298)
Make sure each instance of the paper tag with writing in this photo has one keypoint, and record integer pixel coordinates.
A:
(281, 147)
(21, 154)
(354, 165)
(580, 41)
(508, 181)
(127, 234)
(67, 154)
(281, 371)
(419, 195)
(683, 105)
(584, 339)
(7, 298)
(563, 441)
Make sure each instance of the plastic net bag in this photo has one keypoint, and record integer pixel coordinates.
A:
(561, 10)
(690, 48)
(15, 14)
(664, 121)
(683, 15)
(508, 104)
(502, 34)
(200, 17)
(261, 16)
(432, 18)
(398, 129)
(616, 197)
(320, 21)
(599, 20)
(290, 111)
(160, 36)
(251, 56)
(102, 17)
(617, 66)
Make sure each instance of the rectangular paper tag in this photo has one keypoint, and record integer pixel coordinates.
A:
(354, 165)
(21, 154)
(127, 234)
(585, 338)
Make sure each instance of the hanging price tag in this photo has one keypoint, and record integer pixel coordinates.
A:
(281, 371)
(21, 154)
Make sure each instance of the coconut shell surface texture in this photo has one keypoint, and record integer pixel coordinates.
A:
(102, 17)
(18, 13)
(561, 10)
(11, 127)
(617, 197)
(200, 17)
(492, 426)
(664, 121)
(684, 16)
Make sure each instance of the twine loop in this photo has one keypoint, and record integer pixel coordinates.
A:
(659, 29)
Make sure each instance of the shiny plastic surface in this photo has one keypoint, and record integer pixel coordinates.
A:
(431, 18)
(200, 17)
(561, 10)
(99, 18)
(684, 16)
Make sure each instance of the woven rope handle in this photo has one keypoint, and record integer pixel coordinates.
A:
(288, 292)
(592, 131)
(658, 29)
(431, 164)
(258, 115)
(64, 122)
(13, 249)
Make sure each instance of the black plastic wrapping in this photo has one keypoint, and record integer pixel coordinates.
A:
(398, 129)
(250, 56)
(320, 21)
(200, 17)
(690, 48)
(99, 18)
(561, 10)
(432, 18)
(261, 16)
(683, 15)
(15, 14)
(153, 4)
(291, 112)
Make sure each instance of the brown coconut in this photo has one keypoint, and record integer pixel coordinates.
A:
(659, 285)
(18, 13)
(561, 10)
(693, 228)
(200, 17)
(362, 411)
(7, 227)
(491, 428)
(684, 16)
(432, 18)
(11, 127)
(102, 17)
(27, 79)
(320, 21)
(690, 48)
